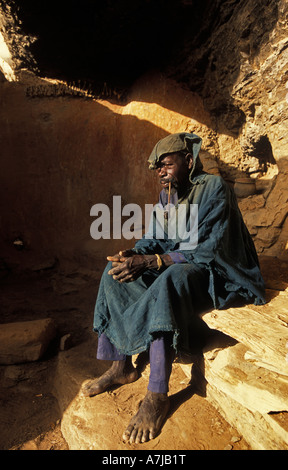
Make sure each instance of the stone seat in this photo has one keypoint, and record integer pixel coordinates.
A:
(245, 369)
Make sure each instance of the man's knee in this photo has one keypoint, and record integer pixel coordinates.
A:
(183, 272)
(176, 269)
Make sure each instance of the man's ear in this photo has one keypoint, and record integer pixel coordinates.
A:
(189, 159)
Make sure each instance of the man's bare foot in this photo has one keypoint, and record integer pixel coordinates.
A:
(149, 418)
(120, 373)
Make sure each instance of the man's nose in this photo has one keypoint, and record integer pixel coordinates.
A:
(162, 171)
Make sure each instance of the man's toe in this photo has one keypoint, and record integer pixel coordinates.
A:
(127, 433)
(145, 435)
(133, 436)
(152, 433)
(139, 435)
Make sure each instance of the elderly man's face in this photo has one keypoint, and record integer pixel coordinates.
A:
(174, 168)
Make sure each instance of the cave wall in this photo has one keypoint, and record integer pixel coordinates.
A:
(61, 155)
(242, 76)
(63, 151)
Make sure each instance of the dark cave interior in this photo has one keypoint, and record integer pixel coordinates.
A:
(111, 42)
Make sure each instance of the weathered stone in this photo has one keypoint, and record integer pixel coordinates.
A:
(255, 387)
(261, 431)
(97, 423)
(66, 342)
(248, 381)
(270, 346)
(25, 341)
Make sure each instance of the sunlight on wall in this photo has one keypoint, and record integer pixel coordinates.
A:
(164, 118)
(6, 61)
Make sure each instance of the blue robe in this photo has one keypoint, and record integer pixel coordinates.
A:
(221, 269)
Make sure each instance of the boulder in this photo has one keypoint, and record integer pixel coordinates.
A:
(25, 341)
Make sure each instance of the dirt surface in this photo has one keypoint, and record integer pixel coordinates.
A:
(30, 412)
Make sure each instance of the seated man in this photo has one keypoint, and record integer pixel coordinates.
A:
(149, 296)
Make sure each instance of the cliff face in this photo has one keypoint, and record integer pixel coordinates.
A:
(241, 72)
(216, 68)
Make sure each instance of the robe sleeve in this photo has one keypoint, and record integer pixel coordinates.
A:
(226, 249)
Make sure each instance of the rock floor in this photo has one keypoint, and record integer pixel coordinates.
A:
(40, 405)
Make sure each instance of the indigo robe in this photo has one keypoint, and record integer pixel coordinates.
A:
(222, 268)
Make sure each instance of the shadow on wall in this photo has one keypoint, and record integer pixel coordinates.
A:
(64, 154)
(61, 156)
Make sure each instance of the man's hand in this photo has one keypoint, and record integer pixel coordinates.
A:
(127, 266)
(120, 257)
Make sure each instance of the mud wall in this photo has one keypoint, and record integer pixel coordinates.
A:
(63, 153)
